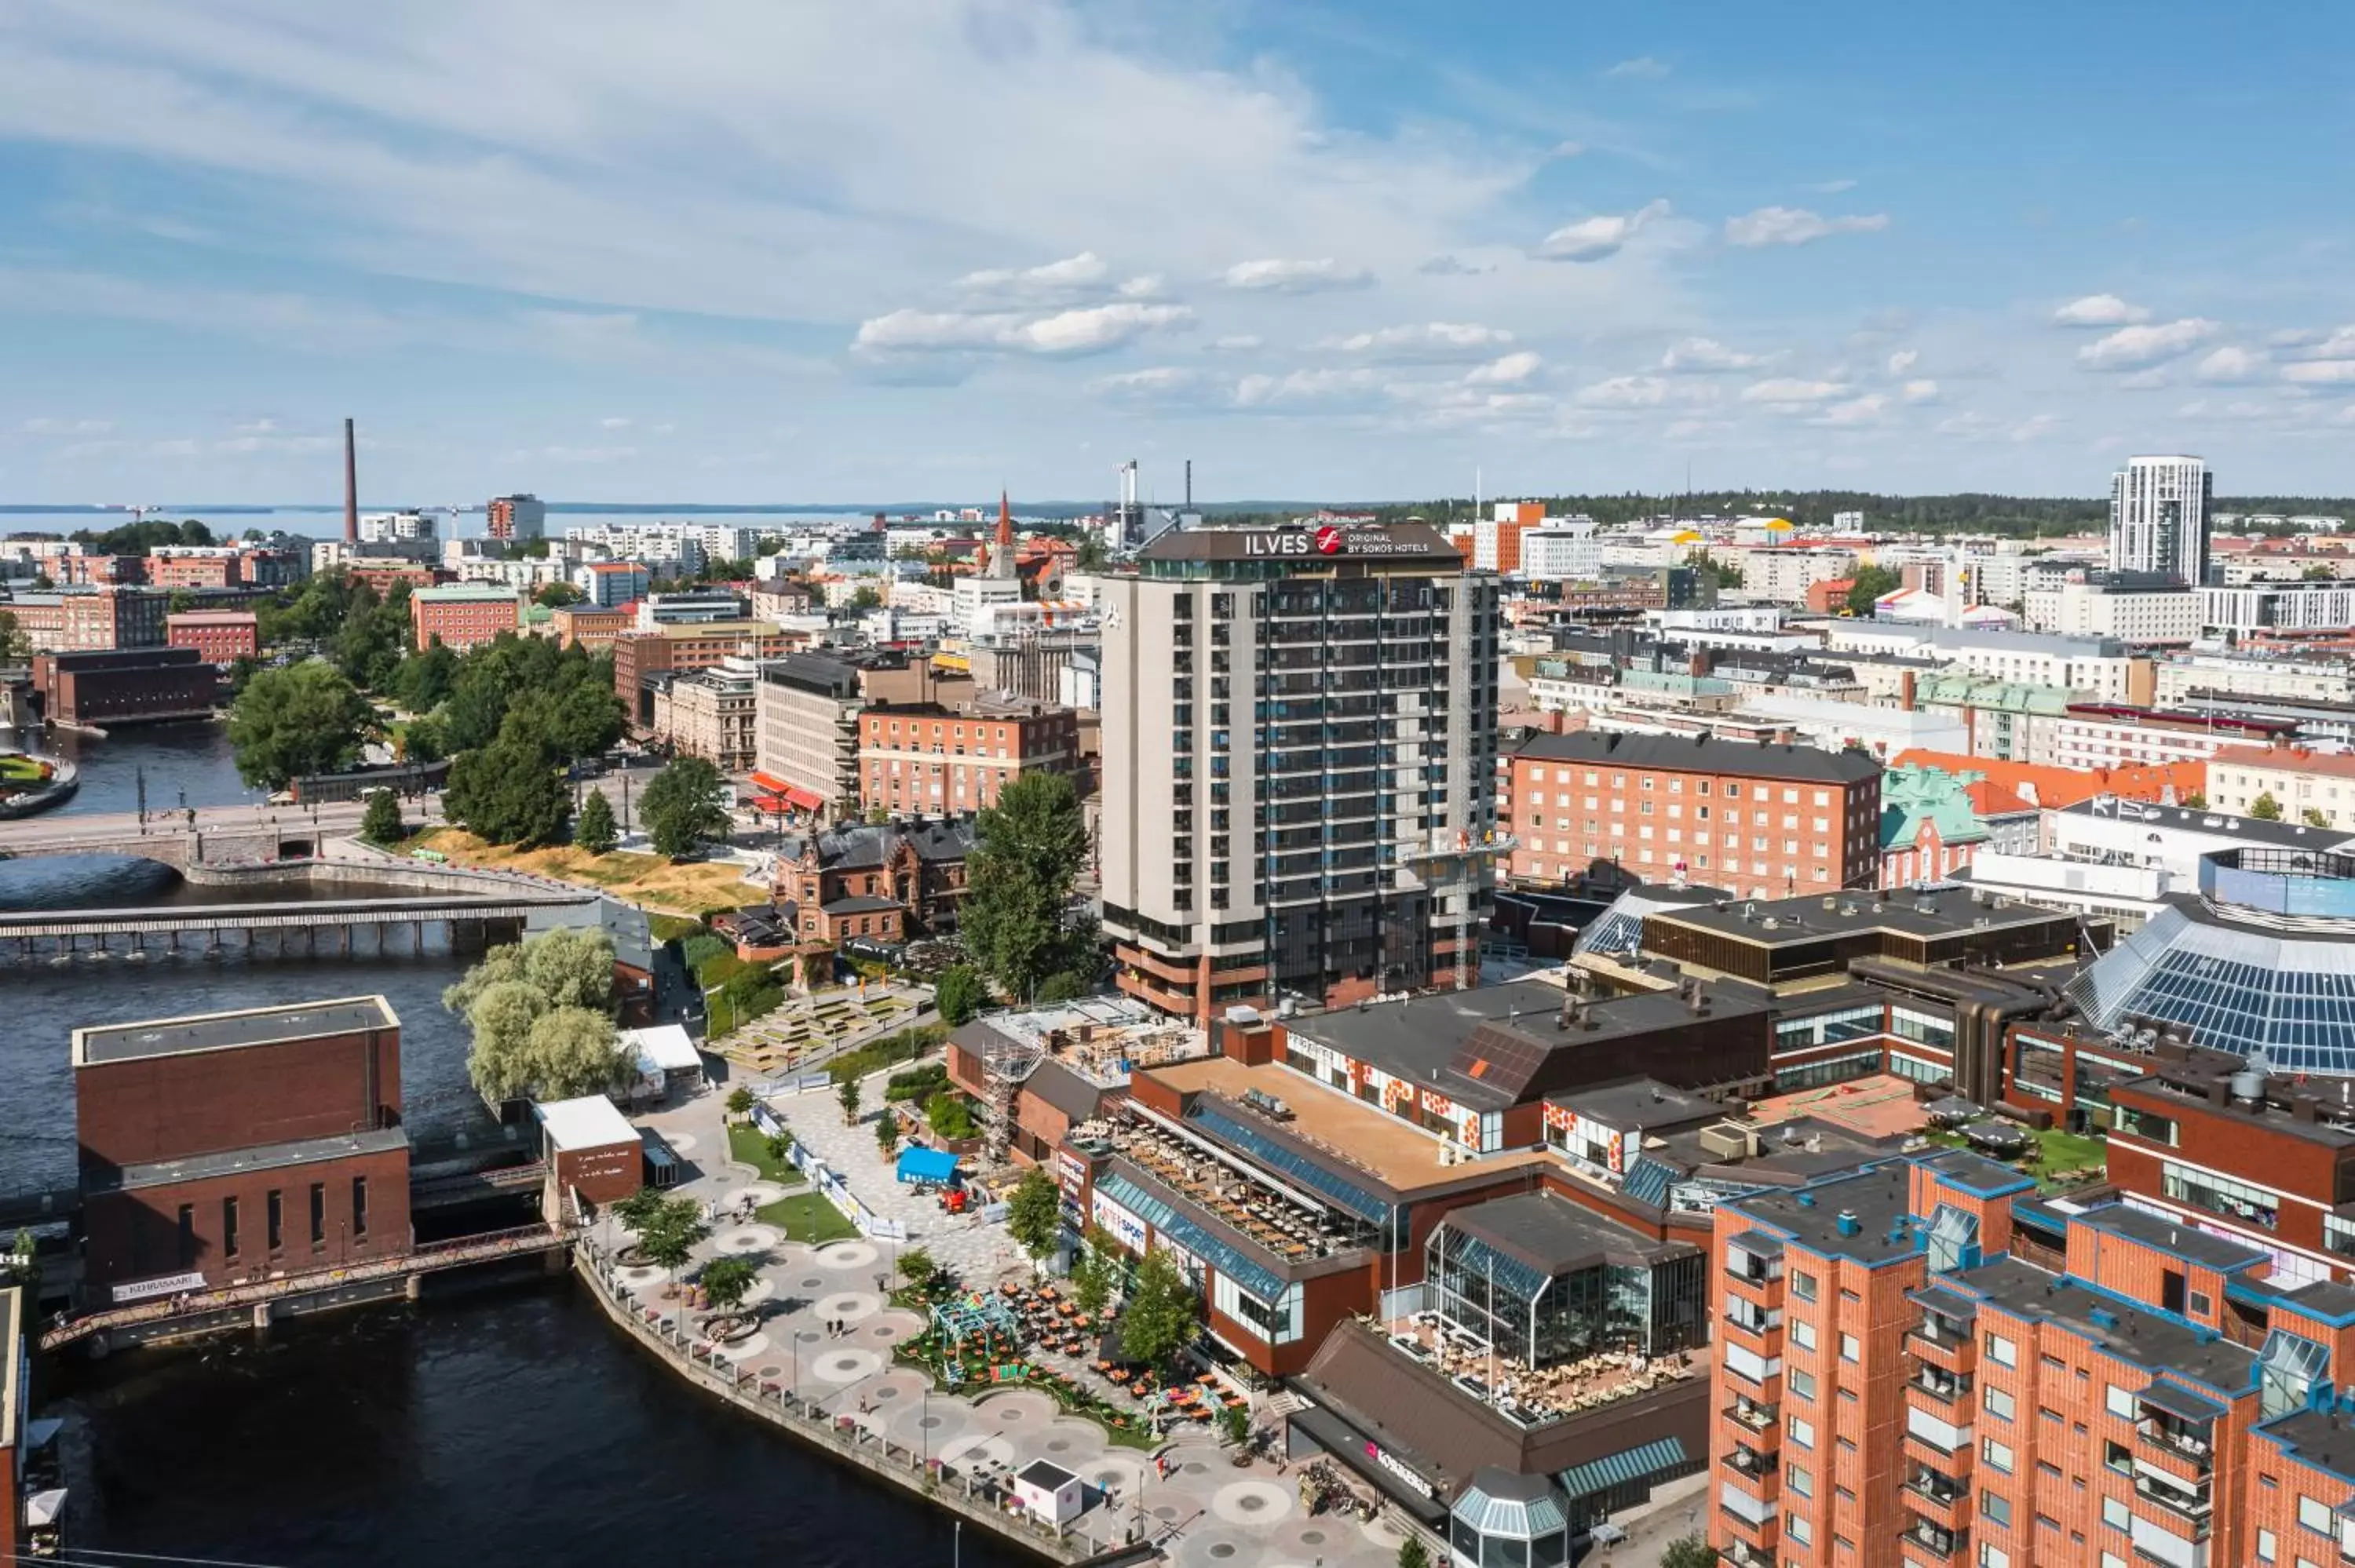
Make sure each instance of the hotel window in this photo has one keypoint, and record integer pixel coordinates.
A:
(228, 1227)
(277, 1219)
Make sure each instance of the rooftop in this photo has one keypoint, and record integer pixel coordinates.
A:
(1703, 754)
(1306, 548)
(1099, 1039)
(592, 1121)
(1873, 1200)
(262, 1157)
(2172, 1236)
(2148, 1340)
(2185, 819)
(1638, 1102)
(461, 593)
(229, 1030)
(2293, 757)
(1924, 913)
(1556, 1236)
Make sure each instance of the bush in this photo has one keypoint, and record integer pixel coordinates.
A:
(951, 1114)
(916, 1084)
(904, 1047)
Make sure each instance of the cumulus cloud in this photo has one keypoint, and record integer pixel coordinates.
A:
(1281, 276)
(1235, 343)
(1159, 385)
(2320, 372)
(2230, 365)
(1623, 392)
(1644, 66)
(1790, 391)
(66, 427)
(1705, 355)
(2136, 347)
(1567, 149)
(615, 423)
(1085, 271)
(1830, 188)
(2100, 311)
(1903, 360)
(1595, 238)
(1452, 266)
(1309, 390)
(1092, 328)
(1429, 340)
(1922, 390)
(1795, 226)
(1504, 371)
(1865, 410)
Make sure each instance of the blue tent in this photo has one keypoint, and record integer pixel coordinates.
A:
(935, 1165)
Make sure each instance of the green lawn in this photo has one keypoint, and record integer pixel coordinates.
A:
(2070, 1152)
(748, 1145)
(806, 1217)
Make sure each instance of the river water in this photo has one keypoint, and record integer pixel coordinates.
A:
(504, 1425)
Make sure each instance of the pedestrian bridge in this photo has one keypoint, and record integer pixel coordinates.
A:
(182, 847)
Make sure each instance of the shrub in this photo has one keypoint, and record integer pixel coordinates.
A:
(917, 1083)
(951, 1114)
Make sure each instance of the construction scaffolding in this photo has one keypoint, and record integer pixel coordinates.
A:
(1101, 1041)
(1454, 874)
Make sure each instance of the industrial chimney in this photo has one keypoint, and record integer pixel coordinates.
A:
(351, 487)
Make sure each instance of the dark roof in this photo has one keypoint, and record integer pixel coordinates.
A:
(1046, 1474)
(1705, 754)
(223, 1031)
(861, 845)
(860, 904)
(2222, 824)
(2321, 1438)
(1875, 1196)
(1065, 1090)
(264, 1157)
(1554, 1236)
(2148, 1340)
(2324, 1298)
(2186, 1242)
(1298, 545)
(1925, 913)
(1632, 1103)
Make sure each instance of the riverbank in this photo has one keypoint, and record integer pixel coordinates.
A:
(692, 889)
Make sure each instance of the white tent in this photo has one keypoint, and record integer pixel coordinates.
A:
(665, 1057)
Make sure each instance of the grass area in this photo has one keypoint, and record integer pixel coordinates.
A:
(904, 1047)
(690, 891)
(666, 927)
(2056, 1152)
(806, 1217)
(749, 1146)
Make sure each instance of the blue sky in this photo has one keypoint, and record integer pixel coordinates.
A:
(771, 249)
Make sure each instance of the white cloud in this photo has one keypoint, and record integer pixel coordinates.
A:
(1504, 371)
(615, 423)
(1922, 390)
(2230, 365)
(2136, 347)
(1567, 149)
(2100, 311)
(66, 427)
(1092, 329)
(2320, 372)
(1430, 340)
(1865, 410)
(2318, 342)
(2151, 380)
(1454, 267)
(1642, 65)
(1784, 391)
(1595, 238)
(1830, 188)
(2036, 426)
(1277, 275)
(1705, 355)
(1149, 286)
(1235, 343)
(258, 428)
(1052, 280)
(1159, 385)
(1903, 360)
(1624, 392)
(1795, 226)
(1309, 390)
(180, 447)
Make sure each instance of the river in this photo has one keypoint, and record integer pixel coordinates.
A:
(509, 1424)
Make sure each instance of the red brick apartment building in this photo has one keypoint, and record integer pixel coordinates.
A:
(126, 686)
(933, 759)
(696, 645)
(236, 1146)
(219, 636)
(461, 616)
(1764, 821)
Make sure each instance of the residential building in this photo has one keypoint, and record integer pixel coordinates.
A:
(1790, 574)
(608, 585)
(2159, 518)
(103, 689)
(1570, 553)
(2299, 782)
(2048, 787)
(222, 637)
(2141, 608)
(1769, 818)
(709, 713)
(593, 629)
(806, 710)
(2281, 610)
(781, 599)
(413, 535)
(1933, 821)
(89, 620)
(2107, 735)
(192, 566)
(381, 572)
(1496, 538)
(2246, 675)
(2007, 721)
(710, 603)
(461, 616)
(517, 517)
(2103, 667)
(933, 760)
(638, 656)
(1310, 717)
(239, 1146)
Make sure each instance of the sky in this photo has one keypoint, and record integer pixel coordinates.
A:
(819, 250)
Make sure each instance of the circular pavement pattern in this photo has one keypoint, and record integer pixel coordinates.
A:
(639, 1278)
(1252, 1502)
(851, 1304)
(761, 1290)
(682, 1141)
(747, 1239)
(846, 1255)
(759, 1193)
(974, 1448)
(748, 1349)
(847, 1366)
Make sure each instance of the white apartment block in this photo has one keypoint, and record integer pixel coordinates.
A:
(2280, 606)
(2079, 609)
(1574, 555)
(2085, 741)
(1783, 576)
(2223, 674)
(2099, 667)
(2158, 516)
(2298, 780)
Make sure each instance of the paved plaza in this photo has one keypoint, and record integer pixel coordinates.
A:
(1207, 1513)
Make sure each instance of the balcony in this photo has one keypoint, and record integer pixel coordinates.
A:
(1751, 1423)
(1938, 1499)
(1755, 1327)
(2193, 1509)
(1932, 1442)
(1944, 1388)
(1935, 1543)
(1947, 1346)
(2174, 1439)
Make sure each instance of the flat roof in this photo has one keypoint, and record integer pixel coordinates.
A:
(112, 1042)
(2148, 1340)
(261, 1157)
(1704, 754)
(1877, 1198)
(1554, 1236)
(664, 1045)
(2171, 1235)
(592, 1121)
(1398, 1154)
(1950, 911)
(2222, 825)
(1632, 1103)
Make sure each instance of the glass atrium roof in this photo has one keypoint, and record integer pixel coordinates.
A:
(2237, 986)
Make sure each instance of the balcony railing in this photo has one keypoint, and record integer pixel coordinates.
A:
(1932, 1488)
(1750, 1413)
(2177, 1439)
(1946, 1545)
(2195, 1510)
(1945, 1387)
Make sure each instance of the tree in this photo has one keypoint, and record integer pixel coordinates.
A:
(16, 647)
(2315, 818)
(422, 739)
(1412, 1554)
(595, 832)
(1234, 1424)
(918, 1267)
(571, 968)
(558, 596)
(541, 1014)
(959, 993)
(509, 793)
(1687, 1551)
(426, 680)
(1034, 1213)
(1093, 1271)
(742, 1099)
(887, 1133)
(1160, 1317)
(640, 1207)
(2265, 808)
(668, 1237)
(301, 720)
(1869, 584)
(382, 825)
(681, 808)
(848, 1096)
(1018, 921)
(1065, 985)
(2196, 802)
(179, 601)
(1092, 556)
(866, 599)
(726, 1282)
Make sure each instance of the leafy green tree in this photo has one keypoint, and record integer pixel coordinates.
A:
(671, 1233)
(726, 1282)
(742, 1099)
(574, 1050)
(382, 825)
(370, 645)
(1869, 584)
(1689, 1552)
(1161, 1318)
(1018, 921)
(918, 1267)
(2315, 818)
(681, 807)
(2196, 802)
(558, 596)
(179, 601)
(1034, 1213)
(501, 1015)
(2265, 808)
(1065, 985)
(1092, 556)
(887, 1133)
(951, 1114)
(1093, 1271)
(300, 720)
(509, 793)
(596, 831)
(848, 1094)
(16, 647)
(1412, 1554)
(426, 680)
(1234, 1424)
(565, 968)
(639, 1207)
(422, 739)
(866, 598)
(959, 994)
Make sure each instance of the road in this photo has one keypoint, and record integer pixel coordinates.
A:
(28, 835)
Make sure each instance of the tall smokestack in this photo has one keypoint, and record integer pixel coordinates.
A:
(1189, 484)
(351, 487)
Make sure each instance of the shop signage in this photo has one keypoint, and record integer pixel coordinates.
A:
(1400, 1468)
(169, 1285)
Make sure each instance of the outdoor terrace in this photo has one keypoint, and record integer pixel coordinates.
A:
(1534, 1395)
(1293, 1228)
